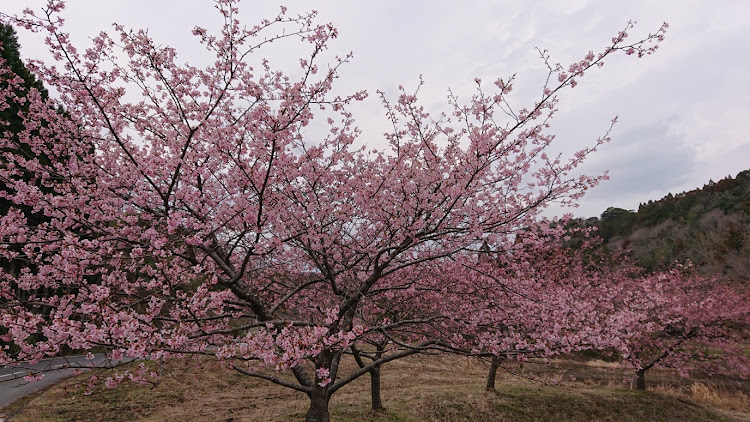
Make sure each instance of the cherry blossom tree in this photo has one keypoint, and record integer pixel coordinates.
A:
(546, 298)
(543, 296)
(684, 321)
(193, 215)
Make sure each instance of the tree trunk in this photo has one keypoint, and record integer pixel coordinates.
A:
(496, 361)
(640, 379)
(377, 400)
(318, 411)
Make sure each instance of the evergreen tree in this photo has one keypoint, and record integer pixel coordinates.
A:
(11, 124)
(12, 127)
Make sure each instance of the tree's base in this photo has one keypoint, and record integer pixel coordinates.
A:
(640, 380)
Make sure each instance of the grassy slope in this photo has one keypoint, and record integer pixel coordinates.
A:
(422, 388)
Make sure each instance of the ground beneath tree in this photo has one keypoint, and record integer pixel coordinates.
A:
(421, 388)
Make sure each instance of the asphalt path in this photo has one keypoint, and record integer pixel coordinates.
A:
(13, 386)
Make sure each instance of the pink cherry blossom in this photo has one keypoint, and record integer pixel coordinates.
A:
(185, 211)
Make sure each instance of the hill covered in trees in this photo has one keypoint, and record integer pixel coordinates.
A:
(709, 226)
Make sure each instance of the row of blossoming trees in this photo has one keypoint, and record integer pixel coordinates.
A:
(185, 211)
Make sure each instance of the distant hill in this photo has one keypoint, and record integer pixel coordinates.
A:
(709, 226)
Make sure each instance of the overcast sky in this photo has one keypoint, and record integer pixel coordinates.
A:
(684, 114)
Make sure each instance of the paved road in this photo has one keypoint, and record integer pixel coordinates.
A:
(13, 386)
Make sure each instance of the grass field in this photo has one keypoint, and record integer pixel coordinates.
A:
(420, 388)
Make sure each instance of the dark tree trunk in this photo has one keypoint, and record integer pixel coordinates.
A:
(318, 411)
(377, 400)
(496, 361)
(640, 379)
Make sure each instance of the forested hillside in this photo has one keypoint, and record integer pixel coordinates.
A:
(709, 226)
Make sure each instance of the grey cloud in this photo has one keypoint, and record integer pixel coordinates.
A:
(646, 162)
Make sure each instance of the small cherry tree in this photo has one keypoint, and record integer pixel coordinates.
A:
(192, 215)
(684, 321)
(540, 297)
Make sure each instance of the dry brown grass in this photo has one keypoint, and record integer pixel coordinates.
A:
(420, 388)
(710, 395)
